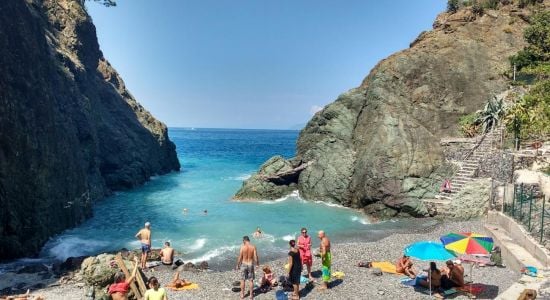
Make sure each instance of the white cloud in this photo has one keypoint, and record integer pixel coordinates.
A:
(315, 108)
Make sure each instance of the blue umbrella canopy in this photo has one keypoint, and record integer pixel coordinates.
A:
(427, 250)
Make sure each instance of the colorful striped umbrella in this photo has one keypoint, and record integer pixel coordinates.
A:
(467, 243)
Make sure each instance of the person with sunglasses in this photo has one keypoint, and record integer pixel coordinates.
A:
(304, 246)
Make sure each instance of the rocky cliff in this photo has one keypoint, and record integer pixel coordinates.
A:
(70, 132)
(377, 146)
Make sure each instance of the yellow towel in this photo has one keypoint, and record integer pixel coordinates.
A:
(338, 275)
(385, 266)
(190, 286)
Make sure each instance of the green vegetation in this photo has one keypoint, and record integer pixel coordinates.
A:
(452, 6)
(524, 3)
(469, 125)
(530, 115)
(491, 115)
(107, 3)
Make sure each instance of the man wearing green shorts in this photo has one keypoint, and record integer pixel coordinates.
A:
(326, 258)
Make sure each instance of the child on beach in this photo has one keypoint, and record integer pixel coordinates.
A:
(268, 280)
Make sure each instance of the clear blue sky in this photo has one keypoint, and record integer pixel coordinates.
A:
(251, 63)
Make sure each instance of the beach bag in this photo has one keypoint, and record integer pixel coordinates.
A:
(496, 257)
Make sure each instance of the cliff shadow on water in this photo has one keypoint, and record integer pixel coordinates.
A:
(70, 131)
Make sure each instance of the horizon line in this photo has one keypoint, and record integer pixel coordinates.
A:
(230, 128)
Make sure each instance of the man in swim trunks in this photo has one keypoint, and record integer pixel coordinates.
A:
(326, 258)
(144, 236)
(247, 257)
(304, 245)
(167, 254)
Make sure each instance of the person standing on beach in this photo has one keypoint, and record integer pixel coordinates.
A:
(247, 257)
(144, 236)
(326, 258)
(304, 245)
(294, 269)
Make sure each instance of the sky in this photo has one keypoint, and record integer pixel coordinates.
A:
(268, 64)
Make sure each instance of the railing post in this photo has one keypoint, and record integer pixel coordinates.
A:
(530, 208)
(542, 220)
(521, 200)
(504, 197)
(514, 201)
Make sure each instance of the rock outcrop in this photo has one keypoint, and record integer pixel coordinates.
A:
(70, 131)
(377, 146)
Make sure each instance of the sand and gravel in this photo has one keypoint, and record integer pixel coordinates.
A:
(358, 283)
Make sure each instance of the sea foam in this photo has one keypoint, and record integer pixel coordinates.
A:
(212, 254)
(68, 246)
(197, 245)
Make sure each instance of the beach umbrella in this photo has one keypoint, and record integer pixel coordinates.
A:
(467, 243)
(428, 250)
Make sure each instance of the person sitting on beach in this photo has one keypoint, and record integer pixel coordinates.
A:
(176, 282)
(404, 265)
(434, 279)
(144, 236)
(268, 280)
(258, 233)
(453, 276)
(167, 254)
(155, 292)
(119, 289)
(446, 186)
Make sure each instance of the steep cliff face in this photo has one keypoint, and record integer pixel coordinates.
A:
(377, 146)
(70, 132)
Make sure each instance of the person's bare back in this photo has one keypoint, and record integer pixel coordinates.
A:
(325, 244)
(144, 236)
(248, 254)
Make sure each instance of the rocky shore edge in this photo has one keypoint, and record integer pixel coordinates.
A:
(358, 283)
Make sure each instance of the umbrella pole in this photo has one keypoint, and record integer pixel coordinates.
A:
(430, 279)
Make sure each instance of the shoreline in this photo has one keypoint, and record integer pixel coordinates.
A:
(218, 284)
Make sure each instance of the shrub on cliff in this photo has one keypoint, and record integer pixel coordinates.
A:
(469, 125)
(452, 6)
(530, 115)
(491, 114)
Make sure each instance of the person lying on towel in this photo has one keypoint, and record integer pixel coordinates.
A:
(177, 282)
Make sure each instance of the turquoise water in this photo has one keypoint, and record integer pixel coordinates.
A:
(214, 164)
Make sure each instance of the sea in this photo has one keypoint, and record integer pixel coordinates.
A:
(215, 162)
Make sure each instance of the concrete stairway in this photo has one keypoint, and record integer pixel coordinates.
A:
(470, 164)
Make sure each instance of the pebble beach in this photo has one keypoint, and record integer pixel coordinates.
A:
(358, 283)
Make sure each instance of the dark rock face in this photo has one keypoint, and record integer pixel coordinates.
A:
(70, 132)
(377, 146)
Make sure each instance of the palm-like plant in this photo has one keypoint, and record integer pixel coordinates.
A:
(490, 116)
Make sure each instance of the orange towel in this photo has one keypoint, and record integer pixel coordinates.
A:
(385, 266)
(190, 286)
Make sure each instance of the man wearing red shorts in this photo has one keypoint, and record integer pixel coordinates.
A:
(304, 246)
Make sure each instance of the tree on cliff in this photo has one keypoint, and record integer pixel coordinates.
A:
(107, 3)
(532, 112)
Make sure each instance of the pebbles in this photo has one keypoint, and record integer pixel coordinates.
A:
(358, 283)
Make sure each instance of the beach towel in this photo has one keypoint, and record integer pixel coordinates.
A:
(475, 288)
(190, 286)
(385, 266)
